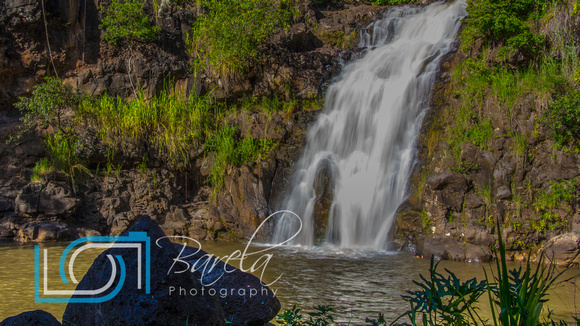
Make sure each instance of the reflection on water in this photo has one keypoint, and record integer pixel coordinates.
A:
(356, 284)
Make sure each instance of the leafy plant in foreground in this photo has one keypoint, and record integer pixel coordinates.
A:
(445, 300)
(517, 296)
(293, 317)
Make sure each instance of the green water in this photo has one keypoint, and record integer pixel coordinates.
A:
(356, 284)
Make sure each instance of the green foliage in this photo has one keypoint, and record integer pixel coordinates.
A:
(231, 151)
(563, 117)
(504, 24)
(267, 105)
(340, 39)
(486, 92)
(445, 300)
(517, 297)
(226, 37)
(62, 150)
(126, 21)
(48, 105)
(425, 221)
(171, 122)
(576, 9)
(41, 168)
(560, 195)
(143, 166)
(293, 317)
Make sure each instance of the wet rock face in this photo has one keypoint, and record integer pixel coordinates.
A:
(324, 190)
(36, 317)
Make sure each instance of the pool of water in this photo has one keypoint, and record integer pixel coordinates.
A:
(356, 284)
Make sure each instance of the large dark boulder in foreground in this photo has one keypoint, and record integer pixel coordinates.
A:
(180, 294)
(244, 298)
(31, 318)
(132, 306)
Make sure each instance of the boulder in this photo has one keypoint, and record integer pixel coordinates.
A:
(448, 248)
(32, 318)
(39, 231)
(132, 306)
(222, 293)
(564, 249)
(248, 301)
(50, 199)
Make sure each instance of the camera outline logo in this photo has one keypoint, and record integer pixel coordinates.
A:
(134, 240)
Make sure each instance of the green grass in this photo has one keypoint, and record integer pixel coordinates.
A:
(230, 149)
(559, 195)
(41, 168)
(172, 123)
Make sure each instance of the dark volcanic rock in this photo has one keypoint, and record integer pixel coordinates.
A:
(132, 306)
(248, 302)
(450, 249)
(564, 249)
(31, 318)
(221, 292)
(51, 199)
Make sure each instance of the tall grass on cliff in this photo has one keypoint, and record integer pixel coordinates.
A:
(231, 149)
(521, 53)
(173, 123)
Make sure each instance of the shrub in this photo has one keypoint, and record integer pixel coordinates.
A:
(293, 317)
(48, 105)
(563, 118)
(126, 21)
(560, 194)
(516, 296)
(504, 23)
(226, 37)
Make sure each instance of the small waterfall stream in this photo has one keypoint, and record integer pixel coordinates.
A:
(361, 150)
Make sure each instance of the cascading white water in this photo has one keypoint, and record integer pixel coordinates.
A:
(364, 141)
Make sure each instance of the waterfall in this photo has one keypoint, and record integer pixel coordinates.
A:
(359, 154)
